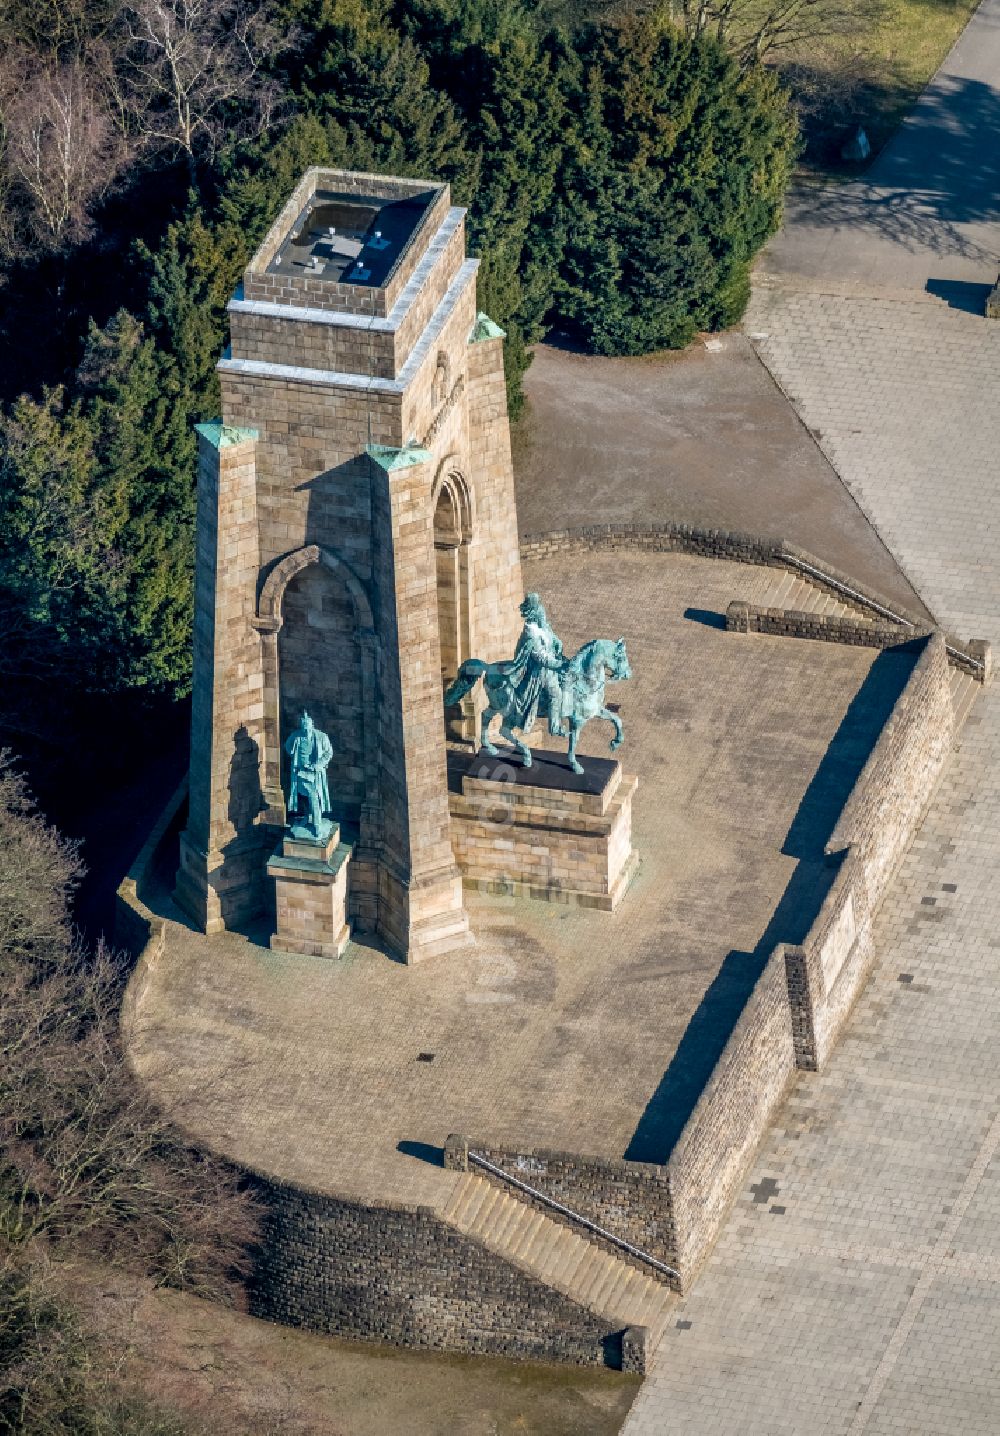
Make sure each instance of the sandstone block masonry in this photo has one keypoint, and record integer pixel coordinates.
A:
(552, 837)
(401, 1275)
(357, 541)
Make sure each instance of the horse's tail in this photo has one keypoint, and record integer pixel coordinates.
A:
(468, 676)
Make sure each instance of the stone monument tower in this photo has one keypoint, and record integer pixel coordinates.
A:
(356, 541)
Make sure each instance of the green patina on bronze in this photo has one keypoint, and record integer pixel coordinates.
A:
(539, 680)
(484, 328)
(223, 436)
(389, 458)
(310, 752)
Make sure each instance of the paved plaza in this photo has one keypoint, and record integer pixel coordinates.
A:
(856, 1286)
(561, 1027)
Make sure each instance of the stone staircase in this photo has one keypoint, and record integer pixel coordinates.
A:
(800, 595)
(553, 1253)
(963, 694)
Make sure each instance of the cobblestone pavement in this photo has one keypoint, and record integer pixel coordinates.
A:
(856, 1286)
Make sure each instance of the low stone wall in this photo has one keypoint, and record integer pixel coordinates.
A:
(732, 1115)
(788, 623)
(388, 1273)
(873, 832)
(741, 547)
(673, 1212)
(791, 1019)
(138, 931)
(399, 1274)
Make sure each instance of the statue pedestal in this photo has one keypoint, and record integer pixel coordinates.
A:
(544, 831)
(310, 889)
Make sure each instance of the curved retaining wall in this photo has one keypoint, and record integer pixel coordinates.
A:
(389, 1272)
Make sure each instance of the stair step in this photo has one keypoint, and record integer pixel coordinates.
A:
(964, 689)
(510, 1220)
(522, 1242)
(797, 594)
(627, 1293)
(469, 1196)
(554, 1253)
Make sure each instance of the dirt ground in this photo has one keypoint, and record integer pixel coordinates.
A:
(701, 437)
(235, 1374)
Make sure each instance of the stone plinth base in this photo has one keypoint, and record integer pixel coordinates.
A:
(424, 917)
(310, 890)
(221, 889)
(544, 831)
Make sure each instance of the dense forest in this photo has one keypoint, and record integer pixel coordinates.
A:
(620, 172)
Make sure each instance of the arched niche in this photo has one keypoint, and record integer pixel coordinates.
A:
(319, 652)
(453, 527)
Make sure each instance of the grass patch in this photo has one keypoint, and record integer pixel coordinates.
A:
(871, 78)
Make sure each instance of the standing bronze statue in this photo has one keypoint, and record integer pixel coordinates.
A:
(310, 752)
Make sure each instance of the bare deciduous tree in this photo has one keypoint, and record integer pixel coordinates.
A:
(85, 1157)
(62, 146)
(194, 71)
(759, 30)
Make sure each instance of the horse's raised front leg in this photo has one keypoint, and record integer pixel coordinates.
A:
(507, 732)
(574, 733)
(616, 741)
(484, 731)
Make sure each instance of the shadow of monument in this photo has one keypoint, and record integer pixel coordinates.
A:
(706, 1035)
(246, 851)
(960, 294)
(706, 616)
(422, 1151)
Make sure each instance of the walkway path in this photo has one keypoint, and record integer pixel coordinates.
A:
(856, 1287)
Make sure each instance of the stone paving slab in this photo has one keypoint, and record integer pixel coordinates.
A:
(902, 398)
(856, 1286)
(702, 437)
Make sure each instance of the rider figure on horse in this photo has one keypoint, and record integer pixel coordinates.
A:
(534, 672)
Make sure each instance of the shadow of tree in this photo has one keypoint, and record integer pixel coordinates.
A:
(940, 171)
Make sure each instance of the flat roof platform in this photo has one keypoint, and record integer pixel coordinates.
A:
(561, 1027)
(350, 238)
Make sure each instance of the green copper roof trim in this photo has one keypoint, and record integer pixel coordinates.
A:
(389, 458)
(484, 328)
(222, 436)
